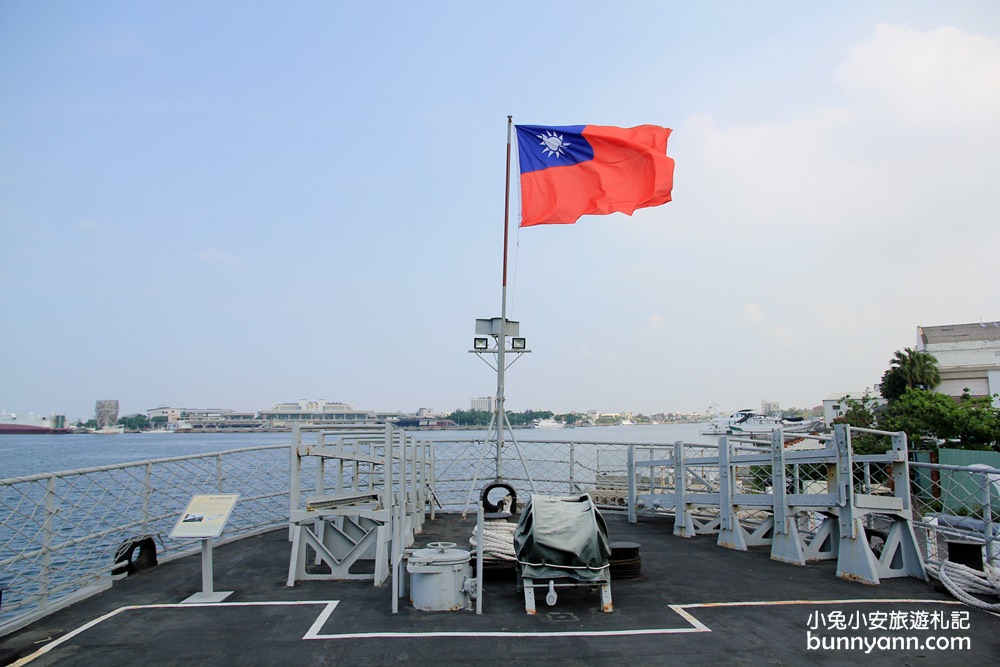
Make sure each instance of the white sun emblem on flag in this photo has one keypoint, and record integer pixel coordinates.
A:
(553, 143)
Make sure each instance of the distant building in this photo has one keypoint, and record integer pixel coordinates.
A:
(835, 405)
(770, 407)
(205, 419)
(484, 404)
(172, 415)
(316, 412)
(968, 357)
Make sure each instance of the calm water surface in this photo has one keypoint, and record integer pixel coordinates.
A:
(30, 454)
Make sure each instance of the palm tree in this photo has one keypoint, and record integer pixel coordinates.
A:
(910, 369)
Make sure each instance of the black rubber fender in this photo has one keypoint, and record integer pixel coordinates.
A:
(126, 559)
(494, 508)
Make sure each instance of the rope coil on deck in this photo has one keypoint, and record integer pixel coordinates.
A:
(963, 582)
(498, 540)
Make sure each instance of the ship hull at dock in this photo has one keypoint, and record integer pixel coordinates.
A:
(28, 429)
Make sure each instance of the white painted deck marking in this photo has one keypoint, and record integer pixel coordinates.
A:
(679, 609)
(329, 606)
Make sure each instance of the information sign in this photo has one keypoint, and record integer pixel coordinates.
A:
(205, 516)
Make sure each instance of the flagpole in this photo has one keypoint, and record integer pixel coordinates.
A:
(501, 413)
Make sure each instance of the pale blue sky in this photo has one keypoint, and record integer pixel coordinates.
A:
(232, 204)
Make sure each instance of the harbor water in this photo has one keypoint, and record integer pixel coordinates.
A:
(22, 455)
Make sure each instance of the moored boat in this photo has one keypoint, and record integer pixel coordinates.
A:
(751, 421)
(11, 423)
(547, 423)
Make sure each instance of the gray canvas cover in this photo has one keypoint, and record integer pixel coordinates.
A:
(562, 537)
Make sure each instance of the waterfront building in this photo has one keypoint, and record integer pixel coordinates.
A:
(316, 412)
(205, 419)
(172, 415)
(968, 357)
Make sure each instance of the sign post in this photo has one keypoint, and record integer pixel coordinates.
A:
(204, 518)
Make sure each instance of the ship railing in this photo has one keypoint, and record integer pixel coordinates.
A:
(61, 531)
(957, 510)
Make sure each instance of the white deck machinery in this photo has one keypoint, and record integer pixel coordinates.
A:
(814, 502)
(371, 489)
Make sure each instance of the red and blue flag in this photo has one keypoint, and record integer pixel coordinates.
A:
(575, 170)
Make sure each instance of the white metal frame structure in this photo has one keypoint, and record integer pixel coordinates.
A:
(372, 489)
(719, 500)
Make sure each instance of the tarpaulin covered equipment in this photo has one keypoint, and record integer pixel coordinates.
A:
(560, 537)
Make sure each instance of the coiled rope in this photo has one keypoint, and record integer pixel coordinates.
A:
(963, 582)
(498, 540)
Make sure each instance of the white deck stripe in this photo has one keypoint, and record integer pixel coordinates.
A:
(778, 603)
(329, 606)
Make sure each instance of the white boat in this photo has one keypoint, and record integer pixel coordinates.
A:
(744, 421)
(804, 425)
(751, 421)
(755, 422)
(546, 423)
(110, 430)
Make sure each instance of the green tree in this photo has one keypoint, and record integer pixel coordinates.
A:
(528, 416)
(978, 422)
(862, 413)
(470, 417)
(909, 369)
(136, 422)
(930, 418)
(925, 416)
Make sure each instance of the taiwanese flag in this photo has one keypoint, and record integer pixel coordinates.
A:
(574, 170)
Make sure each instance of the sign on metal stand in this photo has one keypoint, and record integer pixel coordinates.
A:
(204, 518)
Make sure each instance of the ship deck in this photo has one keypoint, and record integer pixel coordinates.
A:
(693, 603)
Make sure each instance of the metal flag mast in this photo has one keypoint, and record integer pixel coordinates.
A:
(491, 339)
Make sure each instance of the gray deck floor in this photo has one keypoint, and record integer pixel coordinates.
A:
(694, 603)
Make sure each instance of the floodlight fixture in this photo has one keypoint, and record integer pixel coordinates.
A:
(517, 343)
(480, 343)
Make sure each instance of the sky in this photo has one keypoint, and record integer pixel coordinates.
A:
(235, 204)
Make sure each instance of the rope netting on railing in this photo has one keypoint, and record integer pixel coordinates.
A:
(553, 468)
(957, 506)
(61, 531)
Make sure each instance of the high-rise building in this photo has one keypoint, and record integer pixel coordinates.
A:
(484, 403)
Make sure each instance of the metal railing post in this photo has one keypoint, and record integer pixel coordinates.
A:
(572, 467)
(987, 513)
(631, 472)
(48, 533)
(146, 497)
(220, 479)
